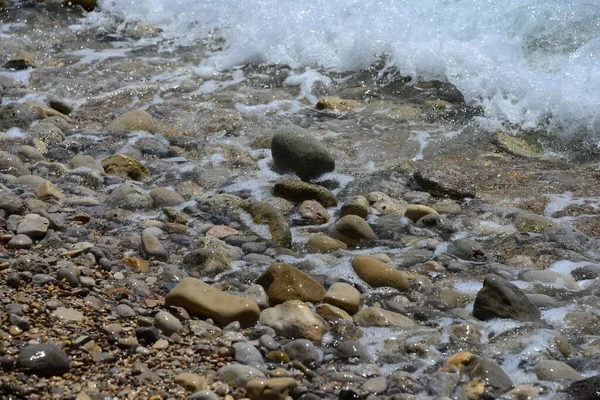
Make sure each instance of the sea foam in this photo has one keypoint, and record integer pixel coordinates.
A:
(529, 63)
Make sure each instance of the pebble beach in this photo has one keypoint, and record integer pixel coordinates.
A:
(172, 231)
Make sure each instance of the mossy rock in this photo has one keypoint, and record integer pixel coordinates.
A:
(264, 213)
(299, 191)
(125, 166)
(517, 146)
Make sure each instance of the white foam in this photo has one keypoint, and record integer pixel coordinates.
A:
(525, 61)
(556, 316)
(565, 267)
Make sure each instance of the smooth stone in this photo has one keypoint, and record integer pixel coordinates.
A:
(298, 191)
(556, 371)
(200, 298)
(11, 204)
(333, 313)
(163, 197)
(247, 354)
(352, 229)
(415, 212)
(148, 334)
(550, 277)
(34, 226)
(153, 247)
(270, 389)
(258, 294)
(69, 274)
(190, 382)
(356, 205)
(132, 121)
(268, 342)
(379, 274)
(344, 296)
(128, 342)
(377, 316)
(125, 311)
(48, 191)
(11, 164)
(313, 213)
(20, 241)
(294, 319)
(67, 314)
(319, 243)
(501, 299)
(167, 323)
(17, 114)
(467, 249)
(302, 350)
(44, 359)
(238, 375)
(375, 385)
(208, 262)
(129, 197)
(126, 167)
(203, 395)
(528, 222)
(295, 149)
(282, 282)
(351, 348)
(42, 279)
(30, 154)
(264, 213)
(203, 329)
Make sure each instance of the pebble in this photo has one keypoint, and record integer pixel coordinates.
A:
(167, 323)
(282, 282)
(202, 299)
(302, 350)
(190, 382)
(379, 274)
(268, 342)
(415, 212)
(153, 247)
(375, 385)
(313, 213)
(125, 311)
(501, 299)
(238, 375)
(294, 319)
(344, 296)
(352, 230)
(34, 226)
(67, 314)
(356, 205)
(320, 243)
(20, 241)
(47, 359)
(203, 395)
(556, 371)
(376, 316)
(247, 354)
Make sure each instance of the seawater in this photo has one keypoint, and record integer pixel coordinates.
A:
(531, 64)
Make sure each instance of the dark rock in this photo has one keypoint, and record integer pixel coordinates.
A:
(44, 359)
(586, 272)
(293, 148)
(501, 299)
(467, 249)
(585, 389)
(444, 182)
(392, 226)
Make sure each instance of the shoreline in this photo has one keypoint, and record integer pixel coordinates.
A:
(120, 177)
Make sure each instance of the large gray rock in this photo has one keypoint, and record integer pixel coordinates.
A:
(44, 359)
(444, 182)
(17, 115)
(11, 203)
(130, 197)
(293, 148)
(501, 299)
(12, 165)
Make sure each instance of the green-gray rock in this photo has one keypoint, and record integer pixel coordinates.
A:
(208, 262)
(293, 148)
(264, 213)
(299, 191)
(283, 282)
(501, 299)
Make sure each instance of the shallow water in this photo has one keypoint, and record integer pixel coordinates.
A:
(531, 63)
